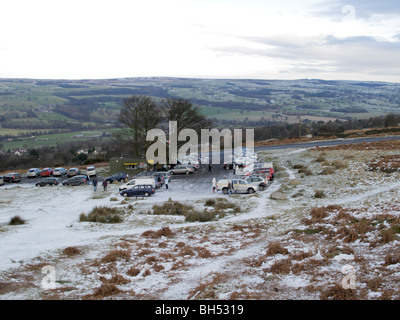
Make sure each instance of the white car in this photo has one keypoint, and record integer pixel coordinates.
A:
(91, 171)
(138, 181)
(238, 185)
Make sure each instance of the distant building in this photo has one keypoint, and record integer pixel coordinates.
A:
(128, 165)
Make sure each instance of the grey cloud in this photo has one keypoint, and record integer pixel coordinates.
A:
(363, 8)
(327, 54)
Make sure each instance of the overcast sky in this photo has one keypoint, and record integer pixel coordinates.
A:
(262, 39)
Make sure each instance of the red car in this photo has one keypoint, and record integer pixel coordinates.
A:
(46, 172)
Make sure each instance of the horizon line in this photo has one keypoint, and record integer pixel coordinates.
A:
(190, 78)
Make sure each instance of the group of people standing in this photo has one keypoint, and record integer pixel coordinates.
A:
(95, 183)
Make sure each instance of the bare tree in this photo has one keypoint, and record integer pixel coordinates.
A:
(139, 114)
(185, 114)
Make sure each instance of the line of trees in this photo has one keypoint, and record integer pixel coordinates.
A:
(139, 114)
(321, 128)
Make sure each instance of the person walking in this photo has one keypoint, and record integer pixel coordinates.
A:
(104, 184)
(95, 183)
(214, 184)
(229, 188)
(166, 183)
(209, 168)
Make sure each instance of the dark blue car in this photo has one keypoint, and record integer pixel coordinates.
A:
(138, 190)
(119, 176)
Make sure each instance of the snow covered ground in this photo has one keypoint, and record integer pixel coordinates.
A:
(326, 228)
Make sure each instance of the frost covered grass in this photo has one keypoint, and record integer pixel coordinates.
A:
(300, 246)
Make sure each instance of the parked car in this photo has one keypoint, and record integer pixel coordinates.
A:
(159, 181)
(265, 167)
(145, 174)
(165, 175)
(265, 172)
(119, 176)
(190, 162)
(228, 165)
(181, 168)
(12, 177)
(60, 171)
(46, 172)
(139, 190)
(91, 171)
(75, 181)
(239, 185)
(33, 173)
(257, 181)
(138, 181)
(47, 182)
(1, 181)
(73, 172)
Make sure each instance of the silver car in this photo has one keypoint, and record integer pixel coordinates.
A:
(58, 172)
(181, 168)
(1, 181)
(33, 173)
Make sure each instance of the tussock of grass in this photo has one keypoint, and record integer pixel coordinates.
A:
(101, 214)
(115, 255)
(16, 220)
(71, 251)
(163, 232)
(191, 215)
(276, 248)
(319, 194)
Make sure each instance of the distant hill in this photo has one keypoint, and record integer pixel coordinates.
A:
(77, 104)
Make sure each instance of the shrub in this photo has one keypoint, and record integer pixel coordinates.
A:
(94, 160)
(172, 208)
(276, 248)
(327, 170)
(190, 214)
(222, 204)
(114, 255)
(210, 202)
(166, 232)
(71, 251)
(105, 290)
(133, 272)
(202, 216)
(101, 214)
(281, 266)
(392, 259)
(16, 220)
(320, 158)
(339, 164)
(337, 292)
(319, 194)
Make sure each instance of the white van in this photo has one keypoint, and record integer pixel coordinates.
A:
(138, 181)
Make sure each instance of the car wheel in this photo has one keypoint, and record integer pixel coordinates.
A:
(225, 190)
(171, 173)
(250, 190)
(187, 172)
(261, 188)
(146, 194)
(125, 194)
